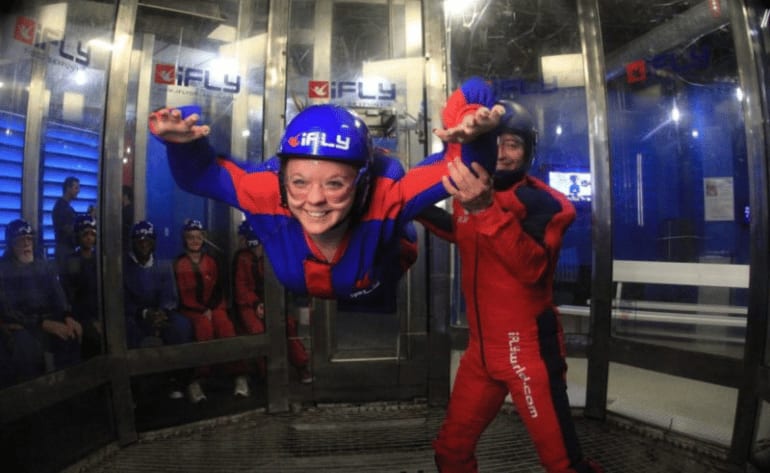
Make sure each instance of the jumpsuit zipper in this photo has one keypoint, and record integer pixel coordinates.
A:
(476, 300)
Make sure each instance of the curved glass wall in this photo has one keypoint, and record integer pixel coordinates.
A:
(533, 57)
(681, 208)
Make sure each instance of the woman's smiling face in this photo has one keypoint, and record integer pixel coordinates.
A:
(319, 193)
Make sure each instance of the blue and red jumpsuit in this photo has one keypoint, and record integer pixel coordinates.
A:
(368, 264)
(508, 255)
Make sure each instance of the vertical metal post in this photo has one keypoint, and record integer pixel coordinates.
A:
(601, 209)
(439, 251)
(751, 71)
(37, 112)
(110, 213)
(274, 120)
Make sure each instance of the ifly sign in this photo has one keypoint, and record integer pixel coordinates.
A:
(29, 31)
(169, 74)
(360, 90)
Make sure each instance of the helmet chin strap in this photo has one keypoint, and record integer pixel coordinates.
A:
(503, 180)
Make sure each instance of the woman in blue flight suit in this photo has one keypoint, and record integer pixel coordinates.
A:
(332, 213)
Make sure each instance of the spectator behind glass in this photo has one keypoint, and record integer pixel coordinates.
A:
(79, 279)
(248, 291)
(202, 301)
(63, 216)
(149, 294)
(34, 316)
(150, 299)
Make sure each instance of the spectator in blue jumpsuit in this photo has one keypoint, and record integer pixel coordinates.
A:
(149, 294)
(333, 214)
(34, 314)
(79, 279)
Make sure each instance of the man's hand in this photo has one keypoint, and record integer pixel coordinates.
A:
(157, 318)
(472, 188)
(58, 329)
(168, 125)
(472, 125)
(75, 327)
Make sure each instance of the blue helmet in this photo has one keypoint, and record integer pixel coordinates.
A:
(84, 222)
(192, 224)
(143, 229)
(17, 228)
(244, 228)
(332, 133)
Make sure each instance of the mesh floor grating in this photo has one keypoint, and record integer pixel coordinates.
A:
(384, 439)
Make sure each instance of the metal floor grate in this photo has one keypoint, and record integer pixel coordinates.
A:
(382, 438)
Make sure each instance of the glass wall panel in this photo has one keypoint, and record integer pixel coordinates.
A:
(680, 177)
(680, 201)
(180, 248)
(53, 86)
(366, 56)
(532, 55)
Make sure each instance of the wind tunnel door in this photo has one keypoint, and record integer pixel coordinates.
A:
(367, 57)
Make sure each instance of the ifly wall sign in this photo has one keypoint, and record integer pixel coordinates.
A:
(71, 53)
(354, 93)
(189, 80)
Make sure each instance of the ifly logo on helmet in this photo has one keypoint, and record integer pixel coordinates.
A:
(317, 139)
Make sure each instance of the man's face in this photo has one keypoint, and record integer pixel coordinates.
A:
(510, 152)
(23, 248)
(74, 189)
(87, 238)
(143, 248)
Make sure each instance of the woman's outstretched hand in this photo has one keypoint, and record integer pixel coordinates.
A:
(472, 125)
(168, 125)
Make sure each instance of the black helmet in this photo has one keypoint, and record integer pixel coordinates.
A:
(518, 121)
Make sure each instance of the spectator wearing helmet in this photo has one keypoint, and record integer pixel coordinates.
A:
(508, 229)
(202, 301)
(248, 292)
(333, 214)
(34, 314)
(79, 279)
(149, 294)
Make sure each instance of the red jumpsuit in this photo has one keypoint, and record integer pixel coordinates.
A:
(249, 286)
(199, 291)
(508, 256)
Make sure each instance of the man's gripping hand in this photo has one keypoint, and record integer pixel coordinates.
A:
(168, 125)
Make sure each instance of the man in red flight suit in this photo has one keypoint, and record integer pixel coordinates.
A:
(509, 231)
(202, 300)
(248, 291)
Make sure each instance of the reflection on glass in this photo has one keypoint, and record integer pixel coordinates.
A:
(533, 61)
(52, 89)
(680, 178)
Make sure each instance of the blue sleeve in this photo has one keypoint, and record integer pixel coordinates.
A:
(195, 169)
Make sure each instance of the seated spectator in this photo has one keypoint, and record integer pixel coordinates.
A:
(34, 317)
(202, 300)
(248, 291)
(149, 297)
(79, 279)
